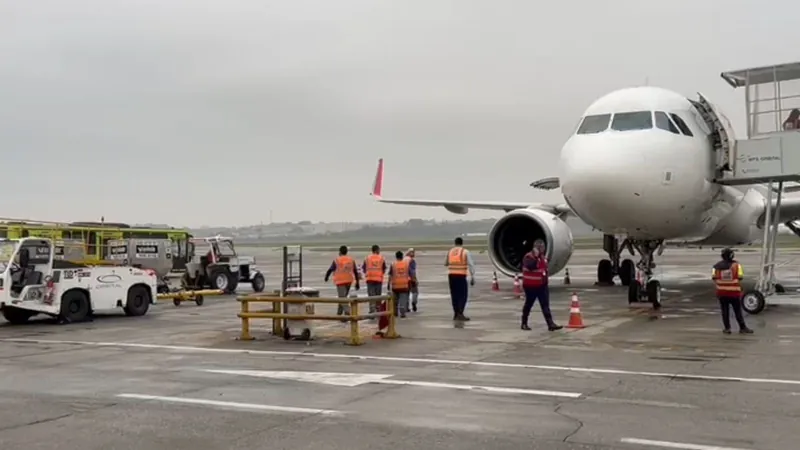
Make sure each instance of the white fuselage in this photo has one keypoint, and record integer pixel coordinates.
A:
(648, 179)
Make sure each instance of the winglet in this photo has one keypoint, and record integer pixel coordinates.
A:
(377, 185)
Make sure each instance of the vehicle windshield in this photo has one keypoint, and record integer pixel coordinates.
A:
(225, 248)
(6, 252)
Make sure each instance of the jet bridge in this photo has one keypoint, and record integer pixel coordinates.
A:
(770, 155)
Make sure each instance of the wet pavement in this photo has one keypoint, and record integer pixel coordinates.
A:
(178, 378)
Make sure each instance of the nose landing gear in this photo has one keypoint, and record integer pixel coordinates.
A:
(638, 277)
(607, 269)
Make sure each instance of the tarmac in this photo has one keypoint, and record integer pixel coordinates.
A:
(178, 378)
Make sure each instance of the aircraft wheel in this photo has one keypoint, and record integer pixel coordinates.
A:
(605, 272)
(654, 293)
(627, 272)
(754, 302)
(634, 292)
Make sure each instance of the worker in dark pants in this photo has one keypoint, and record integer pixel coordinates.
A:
(374, 267)
(344, 272)
(459, 265)
(535, 284)
(727, 276)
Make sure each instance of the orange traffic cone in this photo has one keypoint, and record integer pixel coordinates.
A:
(517, 286)
(495, 284)
(566, 277)
(575, 316)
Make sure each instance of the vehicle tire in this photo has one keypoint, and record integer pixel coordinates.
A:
(779, 288)
(198, 300)
(753, 302)
(176, 302)
(287, 334)
(233, 282)
(605, 272)
(74, 306)
(259, 283)
(138, 301)
(220, 279)
(653, 289)
(305, 335)
(17, 316)
(627, 272)
(634, 292)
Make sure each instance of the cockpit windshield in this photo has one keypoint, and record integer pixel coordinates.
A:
(629, 121)
(594, 124)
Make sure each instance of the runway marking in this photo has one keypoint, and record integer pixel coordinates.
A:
(404, 359)
(356, 379)
(680, 445)
(251, 406)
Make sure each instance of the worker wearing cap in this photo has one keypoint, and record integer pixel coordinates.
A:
(400, 276)
(344, 272)
(727, 275)
(374, 267)
(414, 286)
(459, 265)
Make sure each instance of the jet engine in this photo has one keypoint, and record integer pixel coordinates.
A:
(513, 236)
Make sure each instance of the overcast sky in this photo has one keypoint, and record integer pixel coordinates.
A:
(195, 112)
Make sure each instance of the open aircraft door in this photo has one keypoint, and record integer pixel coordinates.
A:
(724, 139)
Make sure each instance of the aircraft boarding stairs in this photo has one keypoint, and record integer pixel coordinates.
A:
(770, 155)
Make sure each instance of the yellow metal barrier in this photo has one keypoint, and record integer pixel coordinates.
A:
(189, 296)
(277, 316)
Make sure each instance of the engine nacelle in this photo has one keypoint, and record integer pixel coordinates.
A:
(513, 236)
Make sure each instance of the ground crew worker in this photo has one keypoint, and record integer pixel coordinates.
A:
(400, 276)
(374, 267)
(535, 284)
(459, 264)
(344, 272)
(727, 276)
(414, 287)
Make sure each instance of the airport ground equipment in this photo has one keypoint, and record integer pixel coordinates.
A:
(770, 154)
(94, 236)
(33, 282)
(152, 254)
(214, 264)
(197, 297)
(247, 314)
(292, 264)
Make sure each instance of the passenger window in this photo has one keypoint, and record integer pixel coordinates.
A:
(681, 124)
(663, 122)
(594, 124)
(638, 120)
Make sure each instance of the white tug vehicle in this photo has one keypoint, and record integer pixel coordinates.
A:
(33, 282)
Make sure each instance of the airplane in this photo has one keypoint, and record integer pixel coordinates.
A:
(642, 167)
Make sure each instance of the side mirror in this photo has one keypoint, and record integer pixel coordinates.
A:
(24, 257)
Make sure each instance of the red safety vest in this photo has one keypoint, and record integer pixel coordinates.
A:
(728, 282)
(534, 278)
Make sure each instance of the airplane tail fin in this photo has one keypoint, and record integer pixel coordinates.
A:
(377, 185)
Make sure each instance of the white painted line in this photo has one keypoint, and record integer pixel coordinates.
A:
(180, 348)
(332, 378)
(358, 379)
(252, 406)
(679, 445)
(466, 387)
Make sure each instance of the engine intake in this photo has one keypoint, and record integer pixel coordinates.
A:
(513, 236)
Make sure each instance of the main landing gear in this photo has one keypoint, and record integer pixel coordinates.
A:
(638, 277)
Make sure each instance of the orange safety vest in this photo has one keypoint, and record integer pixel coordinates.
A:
(457, 261)
(374, 265)
(344, 271)
(400, 277)
(728, 283)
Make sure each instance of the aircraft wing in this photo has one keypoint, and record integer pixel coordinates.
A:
(461, 207)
